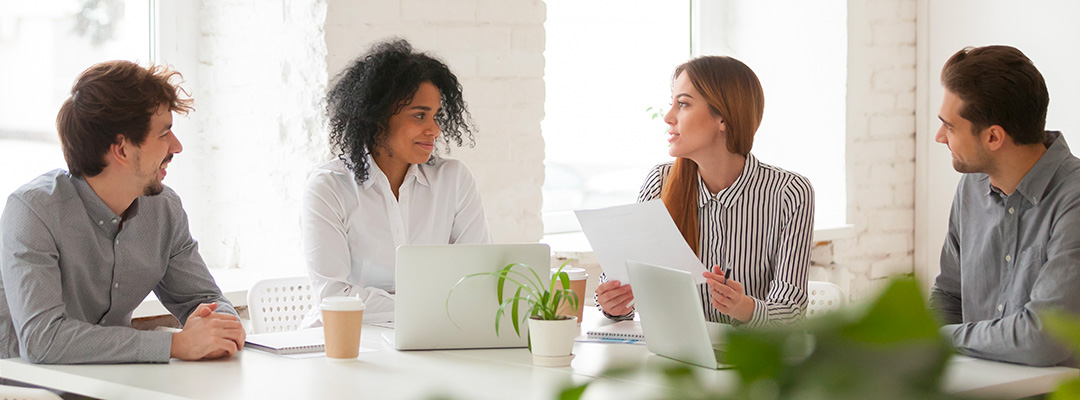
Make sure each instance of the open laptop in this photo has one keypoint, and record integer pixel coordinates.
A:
(426, 273)
(672, 317)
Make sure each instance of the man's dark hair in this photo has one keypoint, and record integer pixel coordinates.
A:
(999, 85)
(110, 99)
(378, 85)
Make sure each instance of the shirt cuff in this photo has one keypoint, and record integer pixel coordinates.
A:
(624, 317)
(760, 316)
(154, 346)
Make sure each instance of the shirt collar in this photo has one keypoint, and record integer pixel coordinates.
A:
(99, 213)
(375, 173)
(1033, 185)
(417, 171)
(730, 194)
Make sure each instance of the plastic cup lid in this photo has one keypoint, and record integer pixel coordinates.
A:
(576, 274)
(342, 303)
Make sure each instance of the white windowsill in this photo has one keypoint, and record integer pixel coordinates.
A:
(576, 242)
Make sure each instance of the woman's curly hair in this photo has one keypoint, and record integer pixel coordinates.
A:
(380, 84)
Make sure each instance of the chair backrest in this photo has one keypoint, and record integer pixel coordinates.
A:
(25, 393)
(279, 305)
(824, 297)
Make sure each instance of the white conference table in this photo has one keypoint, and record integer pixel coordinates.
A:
(473, 374)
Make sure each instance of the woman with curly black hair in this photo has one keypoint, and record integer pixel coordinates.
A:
(388, 186)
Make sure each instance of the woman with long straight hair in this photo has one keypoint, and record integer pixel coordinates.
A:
(741, 216)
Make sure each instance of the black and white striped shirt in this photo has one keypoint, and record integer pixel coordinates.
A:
(761, 228)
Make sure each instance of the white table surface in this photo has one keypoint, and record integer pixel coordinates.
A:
(474, 374)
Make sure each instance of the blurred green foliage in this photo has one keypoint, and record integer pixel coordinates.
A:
(888, 350)
(1066, 327)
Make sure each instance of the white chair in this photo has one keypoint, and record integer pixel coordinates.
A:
(25, 393)
(824, 297)
(279, 305)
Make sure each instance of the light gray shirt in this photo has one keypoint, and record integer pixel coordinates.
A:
(72, 277)
(1008, 257)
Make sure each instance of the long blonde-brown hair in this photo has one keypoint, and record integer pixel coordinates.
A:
(734, 93)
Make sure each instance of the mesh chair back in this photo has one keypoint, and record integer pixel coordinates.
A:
(279, 305)
(824, 297)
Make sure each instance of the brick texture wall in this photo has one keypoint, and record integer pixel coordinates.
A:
(881, 149)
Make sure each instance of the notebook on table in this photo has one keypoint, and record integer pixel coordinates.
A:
(672, 317)
(292, 342)
(628, 331)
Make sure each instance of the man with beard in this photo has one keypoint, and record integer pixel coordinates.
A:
(81, 249)
(1012, 250)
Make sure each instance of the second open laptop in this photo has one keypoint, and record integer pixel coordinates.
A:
(426, 273)
(672, 317)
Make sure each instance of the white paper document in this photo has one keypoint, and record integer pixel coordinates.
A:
(642, 232)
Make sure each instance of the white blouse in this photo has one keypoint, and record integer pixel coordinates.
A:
(351, 230)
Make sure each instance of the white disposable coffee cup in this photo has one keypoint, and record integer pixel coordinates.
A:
(578, 277)
(342, 319)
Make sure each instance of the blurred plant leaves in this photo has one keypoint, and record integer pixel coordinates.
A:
(573, 392)
(1066, 328)
(890, 350)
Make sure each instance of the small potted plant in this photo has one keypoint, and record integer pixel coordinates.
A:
(551, 336)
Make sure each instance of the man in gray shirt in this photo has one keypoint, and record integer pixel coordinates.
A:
(1013, 248)
(80, 249)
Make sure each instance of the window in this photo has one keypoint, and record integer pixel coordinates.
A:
(798, 50)
(45, 45)
(607, 64)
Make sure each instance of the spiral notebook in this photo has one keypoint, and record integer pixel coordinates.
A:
(622, 330)
(292, 342)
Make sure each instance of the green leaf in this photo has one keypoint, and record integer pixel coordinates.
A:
(898, 315)
(514, 311)
(573, 392)
(1070, 390)
(502, 282)
(1062, 325)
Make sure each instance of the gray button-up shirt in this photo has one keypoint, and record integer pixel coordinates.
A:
(1008, 257)
(72, 277)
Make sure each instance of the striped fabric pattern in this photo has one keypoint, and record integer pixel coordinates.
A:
(760, 227)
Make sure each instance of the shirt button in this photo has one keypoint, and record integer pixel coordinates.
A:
(1008, 258)
(1001, 307)
(100, 222)
(114, 219)
(118, 242)
(1012, 210)
(116, 285)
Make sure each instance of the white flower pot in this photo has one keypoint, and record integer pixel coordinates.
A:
(552, 342)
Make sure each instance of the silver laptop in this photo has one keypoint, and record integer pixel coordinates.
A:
(672, 317)
(425, 275)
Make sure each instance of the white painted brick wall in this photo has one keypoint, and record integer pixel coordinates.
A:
(881, 151)
(496, 49)
(257, 130)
